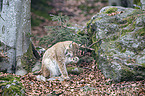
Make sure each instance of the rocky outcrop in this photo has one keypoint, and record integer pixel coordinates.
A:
(118, 35)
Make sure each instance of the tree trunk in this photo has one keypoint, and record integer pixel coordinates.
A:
(15, 29)
(143, 4)
(0, 5)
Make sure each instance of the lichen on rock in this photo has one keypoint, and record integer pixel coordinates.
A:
(121, 51)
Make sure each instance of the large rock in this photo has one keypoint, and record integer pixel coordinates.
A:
(121, 47)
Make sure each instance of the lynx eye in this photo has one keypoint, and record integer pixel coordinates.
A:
(74, 59)
(66, 52)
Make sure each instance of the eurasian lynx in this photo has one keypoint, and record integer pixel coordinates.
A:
(55, 59)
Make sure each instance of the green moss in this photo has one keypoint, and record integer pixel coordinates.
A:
(89, 22)
(0, 43)
(80, 32)
(97, 19)
(143, 65)
(110, 10)
(130, 61)
(130, 25)
(13, 90)
(9, 78)
(137, 2)
(127, 74)
(140, 32)
(128, 21)
(92, 21)
(11, 85)
(115, 37)
(71, 70)
(120, 47)
(36, 21)
(94, 39)
(28, 59)
(89, 29)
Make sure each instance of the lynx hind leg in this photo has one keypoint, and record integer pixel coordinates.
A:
(45, 71)
(52, 66)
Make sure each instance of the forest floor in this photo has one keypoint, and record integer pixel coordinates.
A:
(88, 83)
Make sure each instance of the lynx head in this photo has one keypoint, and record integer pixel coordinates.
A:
(71, 53)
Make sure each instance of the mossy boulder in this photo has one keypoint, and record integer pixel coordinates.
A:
(119, 37)
(11, 85)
